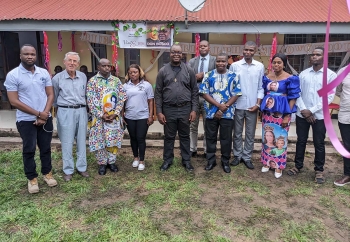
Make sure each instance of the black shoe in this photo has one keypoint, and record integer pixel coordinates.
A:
(113, 167)
(165, 166)
(210, 166)
(235, 161)
(226, 167)
(194, 154)
(205, 155)
(102, 170)
(248, 164)
(188, 166)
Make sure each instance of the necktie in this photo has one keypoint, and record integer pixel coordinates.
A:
(201, 69)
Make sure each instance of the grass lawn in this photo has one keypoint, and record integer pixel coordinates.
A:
(245, 205)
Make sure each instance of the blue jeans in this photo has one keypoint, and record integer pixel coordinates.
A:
(31, 136)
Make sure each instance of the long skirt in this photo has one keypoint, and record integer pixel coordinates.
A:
(274, 141)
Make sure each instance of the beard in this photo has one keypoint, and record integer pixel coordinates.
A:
(28, 64)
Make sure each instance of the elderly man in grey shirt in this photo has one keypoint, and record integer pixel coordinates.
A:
(69, 87)
(176, 97)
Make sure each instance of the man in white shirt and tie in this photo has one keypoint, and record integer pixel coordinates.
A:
(200, 64)
(310, 114)
(250, 74)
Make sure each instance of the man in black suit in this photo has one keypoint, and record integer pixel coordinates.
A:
(200, 65)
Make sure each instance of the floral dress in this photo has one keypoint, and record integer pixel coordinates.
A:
(105, 96)
(274, 107)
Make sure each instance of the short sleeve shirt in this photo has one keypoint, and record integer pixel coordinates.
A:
(136, 106)
(220, 87)
(30, 87)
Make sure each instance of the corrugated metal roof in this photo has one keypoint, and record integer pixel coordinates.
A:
(171, 10)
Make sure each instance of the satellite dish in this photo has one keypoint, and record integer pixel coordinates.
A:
(192, 5)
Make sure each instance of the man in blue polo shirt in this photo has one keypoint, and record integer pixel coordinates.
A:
(29, 89)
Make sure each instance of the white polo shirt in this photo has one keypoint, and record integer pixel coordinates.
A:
(136, 105)
(30, 87)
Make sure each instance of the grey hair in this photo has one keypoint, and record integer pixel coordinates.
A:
(71, 53)
(250, 43)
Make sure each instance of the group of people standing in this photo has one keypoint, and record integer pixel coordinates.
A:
(103, 104)
(229, 101)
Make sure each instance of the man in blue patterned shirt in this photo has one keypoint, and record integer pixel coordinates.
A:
(220, 89)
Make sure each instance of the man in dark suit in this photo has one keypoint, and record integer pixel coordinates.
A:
(200, 65)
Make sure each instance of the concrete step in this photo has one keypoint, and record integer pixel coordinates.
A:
(158, 143)
(155, 136)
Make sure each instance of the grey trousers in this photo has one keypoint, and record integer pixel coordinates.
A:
(194, 127)
(241, 116)
(71, 125)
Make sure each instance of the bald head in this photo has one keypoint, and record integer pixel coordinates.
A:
(104, 61)
(104, 67)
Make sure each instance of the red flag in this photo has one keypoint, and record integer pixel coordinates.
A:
(273, 49)
(197, 40)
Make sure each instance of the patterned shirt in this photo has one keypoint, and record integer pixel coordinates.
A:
(220, 87)
(105, 95)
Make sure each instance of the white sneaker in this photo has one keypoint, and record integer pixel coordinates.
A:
(141, 167)
(135, 163)
(278, 175)
(265, 169)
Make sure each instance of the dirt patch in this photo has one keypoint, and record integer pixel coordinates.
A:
(234, 204)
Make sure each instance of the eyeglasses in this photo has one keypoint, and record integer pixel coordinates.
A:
(176, 52)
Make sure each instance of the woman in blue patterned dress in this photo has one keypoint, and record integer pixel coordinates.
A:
(281, 92)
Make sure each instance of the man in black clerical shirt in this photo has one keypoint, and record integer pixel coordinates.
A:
(176, 97)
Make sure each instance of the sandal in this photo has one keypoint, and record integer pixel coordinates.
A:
(294, 171)
(319, 178)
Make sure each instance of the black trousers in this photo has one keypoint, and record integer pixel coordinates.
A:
(319, 134)
(211, 128)
(137, 130)
(345, 135)
(31, 136)
(177, 121)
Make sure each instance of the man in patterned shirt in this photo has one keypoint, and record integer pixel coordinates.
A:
(220, 89)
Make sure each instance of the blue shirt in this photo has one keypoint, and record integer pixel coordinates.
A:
(220, 87)
(205, 63)
(30, 87)
(69, 91)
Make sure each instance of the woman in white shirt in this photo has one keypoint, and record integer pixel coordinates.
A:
(138, 112)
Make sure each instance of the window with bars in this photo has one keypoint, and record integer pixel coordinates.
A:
(301, 62)
(131, 56)
(164, 59)
(101, 52)
(203, 36)
(41, 50)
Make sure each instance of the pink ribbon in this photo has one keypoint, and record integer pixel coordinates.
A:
(328, 88)
(348, 1)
